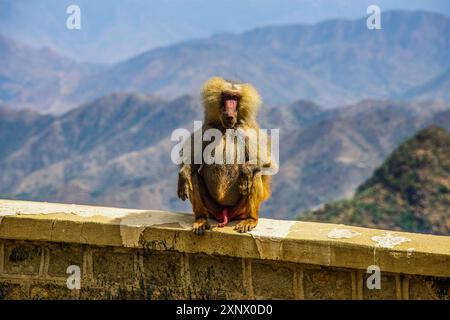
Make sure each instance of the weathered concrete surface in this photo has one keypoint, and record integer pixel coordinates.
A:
(139, 254)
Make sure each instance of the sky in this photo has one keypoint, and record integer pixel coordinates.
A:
(114, 30)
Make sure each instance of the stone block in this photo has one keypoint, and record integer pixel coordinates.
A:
(272, 280)
(163, 269)
(327, 284)
(111, 266)
(50, 291)
(429, 288)
(388, 290)
(211, 274)
(13, 291)
(22, 258)
(62, 256)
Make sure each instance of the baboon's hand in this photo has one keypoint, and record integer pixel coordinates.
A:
(245, 181)
(184, 187)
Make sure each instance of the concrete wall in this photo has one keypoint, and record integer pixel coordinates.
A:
(136, 254)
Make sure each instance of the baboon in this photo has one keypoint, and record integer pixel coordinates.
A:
(227, 191)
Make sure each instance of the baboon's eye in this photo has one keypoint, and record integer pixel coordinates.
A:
(229, 96)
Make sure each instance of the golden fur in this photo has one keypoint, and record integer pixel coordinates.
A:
(236, 188)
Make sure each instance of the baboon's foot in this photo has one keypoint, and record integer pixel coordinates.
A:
(200, 225)
(246, 225)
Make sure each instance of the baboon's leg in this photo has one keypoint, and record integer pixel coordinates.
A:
(250, 207)
(200, 212)
(239, 210)
(211, 206)
(266, 186)
(202, 204)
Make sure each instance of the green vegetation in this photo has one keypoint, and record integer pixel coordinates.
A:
(410, 191)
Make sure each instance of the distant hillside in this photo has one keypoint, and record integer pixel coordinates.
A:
(334, 63)
(38, 78)
(115, 150)
(96, 149)
(437, 88)
(442, 119)
(330, 158)
(410, 191)
(17, 126)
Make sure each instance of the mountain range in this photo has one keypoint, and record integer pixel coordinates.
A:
(334, 63)
(38, 78)
(112, 31)
(437, 88)
(116, 150)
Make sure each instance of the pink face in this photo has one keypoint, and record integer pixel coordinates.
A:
(229, 110)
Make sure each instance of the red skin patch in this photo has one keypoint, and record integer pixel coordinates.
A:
(226, 216)
(230, 107)
(222, 218)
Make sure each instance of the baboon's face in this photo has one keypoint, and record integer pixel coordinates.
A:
(229, 109)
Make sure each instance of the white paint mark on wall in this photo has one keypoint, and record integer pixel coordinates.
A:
(389, 240)
(409, 252)
(268, 237)
(155, 218)
(342, 234)
(266, 228)
(133, 225)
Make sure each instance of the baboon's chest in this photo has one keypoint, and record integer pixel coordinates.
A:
(222, 182)
(222, 175)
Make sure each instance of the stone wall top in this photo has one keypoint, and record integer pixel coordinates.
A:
(290, 241)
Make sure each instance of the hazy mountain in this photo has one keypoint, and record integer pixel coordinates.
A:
(37, 78)
(437, 88)
(16, 126)
(293, 116)
(442, 119)
(116, 150)
(334, 63)
(114, 30)
(410, 191)
(97, 147)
